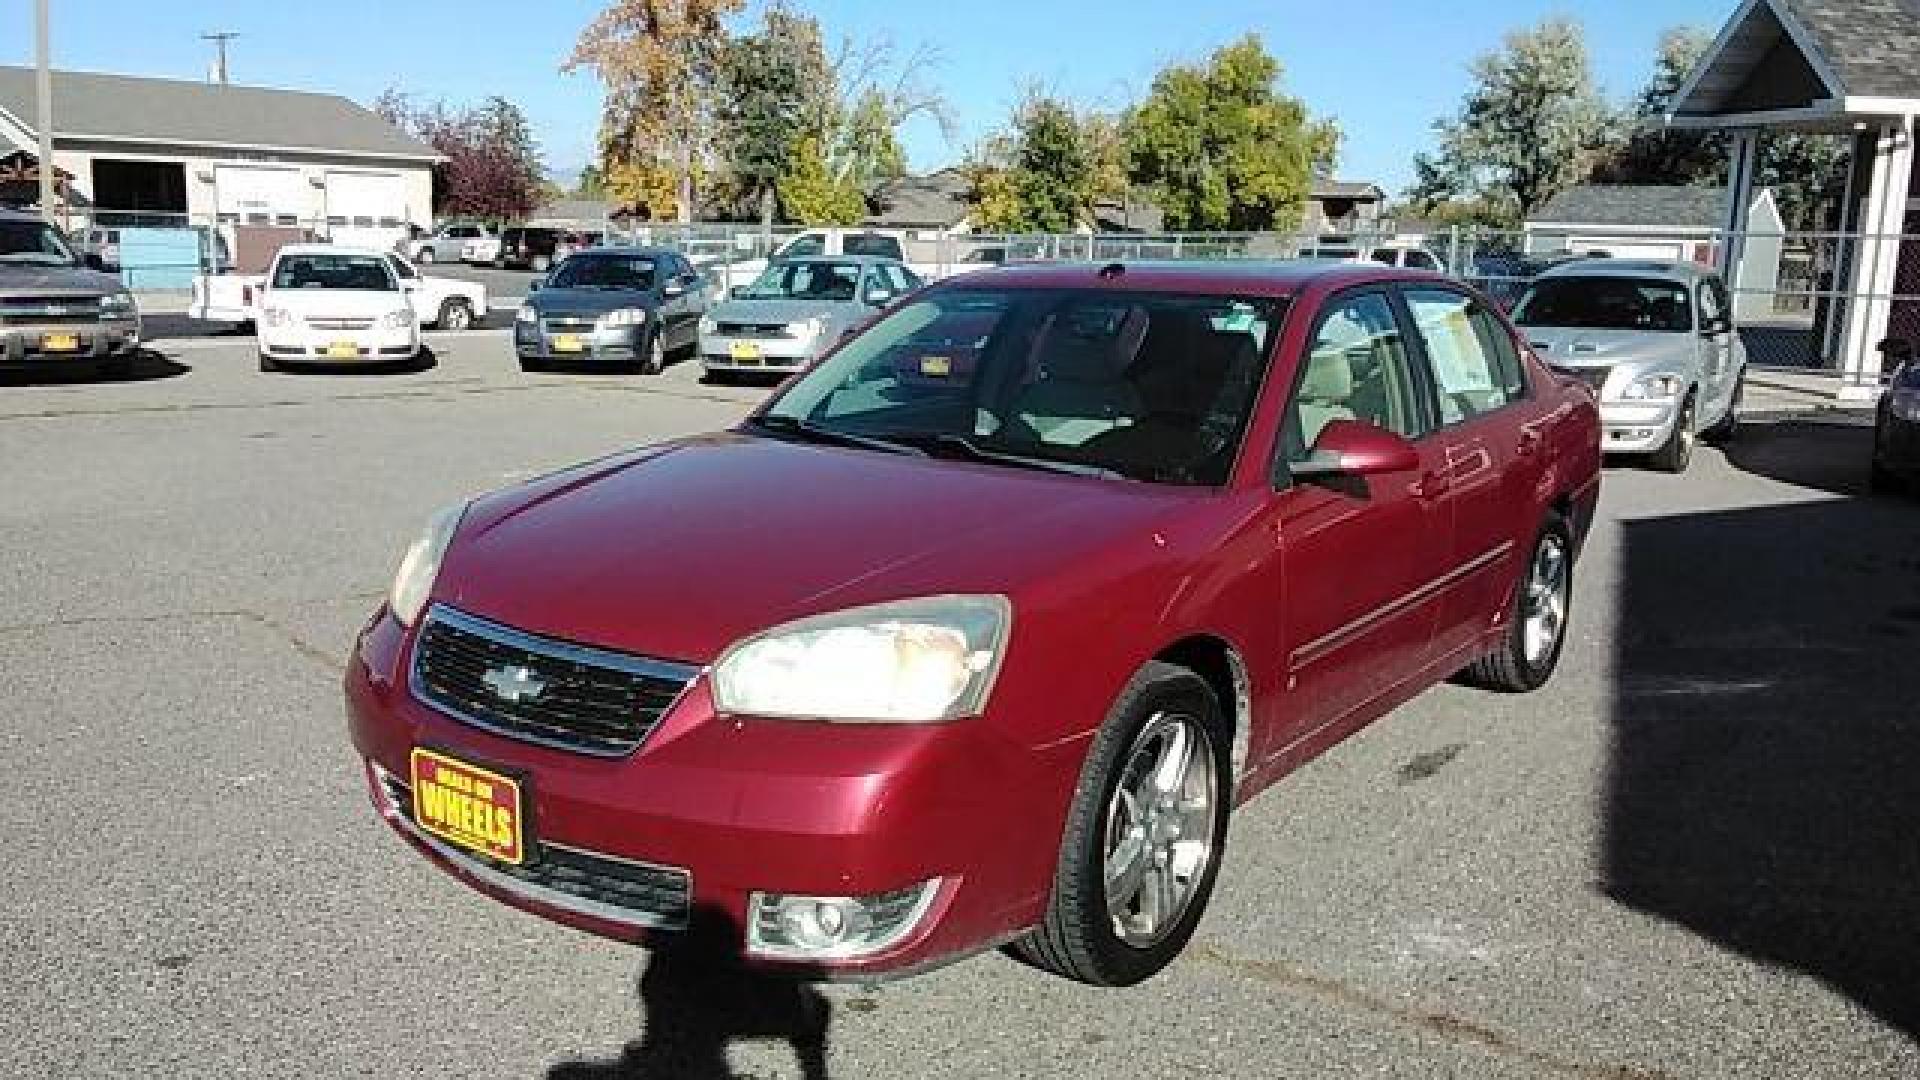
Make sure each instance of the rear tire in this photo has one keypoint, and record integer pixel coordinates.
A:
(1536, 617)
(1145, 835)
(1677, 453)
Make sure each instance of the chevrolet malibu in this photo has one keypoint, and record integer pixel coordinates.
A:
(885, 679)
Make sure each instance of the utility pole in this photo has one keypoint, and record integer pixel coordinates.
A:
(220, 39)
(44, 85)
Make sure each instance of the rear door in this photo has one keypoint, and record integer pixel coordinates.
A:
(1490, 453)
(1358, 554)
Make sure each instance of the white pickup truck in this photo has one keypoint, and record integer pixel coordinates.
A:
(442, 303)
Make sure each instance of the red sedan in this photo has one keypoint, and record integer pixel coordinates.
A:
(890, 675)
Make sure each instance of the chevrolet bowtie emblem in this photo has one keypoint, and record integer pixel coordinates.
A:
(513, 684)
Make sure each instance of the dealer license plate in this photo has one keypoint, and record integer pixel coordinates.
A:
(343, 350)
(743, 350)
(568, 343)
(469, 807)
(60, 343)
(936, 366)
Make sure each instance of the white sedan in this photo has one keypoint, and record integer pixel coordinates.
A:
(335, 305)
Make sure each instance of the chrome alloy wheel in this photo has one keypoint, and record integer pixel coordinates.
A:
(1543, 607)
(1160, 829)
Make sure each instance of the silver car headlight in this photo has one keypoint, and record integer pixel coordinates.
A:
(632, 316)
(400, 319)
(807, 329)
(1654, 388)
(119, 305)
(413, 582)
(908, 662)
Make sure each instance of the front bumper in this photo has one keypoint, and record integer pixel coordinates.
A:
(731, 354)
(45, 345)
(376, 344)
(1636, 427)
(575, 342)
(724, 807)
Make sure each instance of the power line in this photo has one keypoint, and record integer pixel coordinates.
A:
(220, 39)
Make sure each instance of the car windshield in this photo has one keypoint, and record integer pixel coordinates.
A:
(359, 273)
(837, 282)
(604, 272)
(1150, 387)
(1606, 303)
(33, 243)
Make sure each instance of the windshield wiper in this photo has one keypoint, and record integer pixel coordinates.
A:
(947, 440)
(782, 424)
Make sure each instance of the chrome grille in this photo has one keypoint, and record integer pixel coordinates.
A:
(539, 689)
(752, 330)
(340, 324)
(42, 310)
(639, 893)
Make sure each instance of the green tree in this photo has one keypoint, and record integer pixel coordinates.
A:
(869, 148)
(771, 78)
(811, 194)
(1219, 147)
(1531, 126)
(1052, 168)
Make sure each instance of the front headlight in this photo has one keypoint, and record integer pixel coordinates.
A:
(707, 325)
(808, 328)
(632, 316)
(119, 306)
(907, 662)
(1654, 388)
(413, 582)
(400, 320)
(274, 316)
(527, 315)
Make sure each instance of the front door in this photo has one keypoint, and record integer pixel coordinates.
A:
(1358, 553)
(1718, 372)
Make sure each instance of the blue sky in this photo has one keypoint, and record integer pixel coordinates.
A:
(1385, 73)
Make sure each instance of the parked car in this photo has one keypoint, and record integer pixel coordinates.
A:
(1657, 343)
(58, 310)
(881, 682)
(528, 248)
(796, 310)
(446, 244)
(624, 308)
(1896, 429)
(880, 243)
(331, 304)
(441, 303)
(1404, 253)
(482, 250)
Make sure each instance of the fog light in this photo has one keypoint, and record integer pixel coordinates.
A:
(835, 927)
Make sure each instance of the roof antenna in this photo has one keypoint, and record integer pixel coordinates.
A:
(1112, 270)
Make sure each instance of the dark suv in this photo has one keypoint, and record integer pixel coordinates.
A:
(528, 248)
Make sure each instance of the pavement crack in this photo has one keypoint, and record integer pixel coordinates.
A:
(1444, 1025)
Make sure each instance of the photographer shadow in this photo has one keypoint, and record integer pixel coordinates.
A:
(701, 996)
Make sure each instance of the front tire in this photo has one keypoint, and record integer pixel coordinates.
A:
(1677, 453)
(1724, 431)
(1144, 838)
(455, 315)
(1536, 618)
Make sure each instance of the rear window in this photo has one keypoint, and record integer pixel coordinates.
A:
(887, 247)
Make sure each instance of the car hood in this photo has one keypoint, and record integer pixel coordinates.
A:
(775, 312)
(71, 280)
(588, 301)
(1577, 347)
(678, 551)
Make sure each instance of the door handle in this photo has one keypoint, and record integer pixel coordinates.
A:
(1530, 440)
(1430, 486)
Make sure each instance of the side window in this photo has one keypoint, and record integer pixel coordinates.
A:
(1466, 371)
(1510, 373)
(1385, 256)
(807, 244)
(1356, 369)
(1420, 260)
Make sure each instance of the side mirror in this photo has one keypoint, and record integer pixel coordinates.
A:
(536, 283)
(1348, 448)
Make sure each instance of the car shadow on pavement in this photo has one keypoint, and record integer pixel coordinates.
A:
(1765, 783)
(701, 996)
(148, 366)
(426, 360)
(1825, 453)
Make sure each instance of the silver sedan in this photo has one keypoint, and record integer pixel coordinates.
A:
(796, 310)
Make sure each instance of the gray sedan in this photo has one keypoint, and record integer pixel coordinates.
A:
(1655, 340)
(796, 310)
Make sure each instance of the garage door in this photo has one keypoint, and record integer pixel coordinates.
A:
(366, 208)
(260, 195)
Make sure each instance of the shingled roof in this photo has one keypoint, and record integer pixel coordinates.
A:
(1627, 206)
(1871, 46)
(132, 109)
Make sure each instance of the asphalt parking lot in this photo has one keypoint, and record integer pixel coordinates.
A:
(1693, 855)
